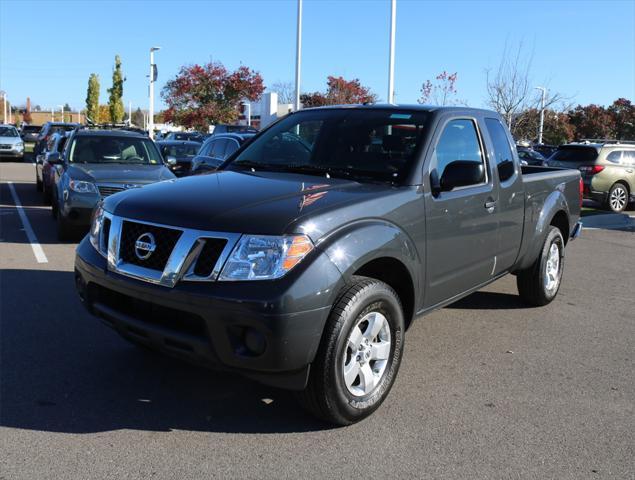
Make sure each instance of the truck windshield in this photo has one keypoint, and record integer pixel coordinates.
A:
(121, 150)
(361, 144)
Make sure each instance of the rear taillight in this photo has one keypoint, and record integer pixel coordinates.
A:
(581, 192)
(591, 169)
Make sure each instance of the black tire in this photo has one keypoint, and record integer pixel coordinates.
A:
(533, 283)
(65, 231)
(38, 184)
(54, 205)
(617, 198)
(46, 194)
(327, 396)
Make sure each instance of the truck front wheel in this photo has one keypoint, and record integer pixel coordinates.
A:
(359, 354)
(539, 284)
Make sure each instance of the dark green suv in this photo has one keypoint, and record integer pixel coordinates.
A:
(607, 168)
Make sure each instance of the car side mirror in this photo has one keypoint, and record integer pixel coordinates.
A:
(171, 160)
(54, 158)
(461, 173)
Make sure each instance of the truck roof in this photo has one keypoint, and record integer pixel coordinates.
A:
(397, 107)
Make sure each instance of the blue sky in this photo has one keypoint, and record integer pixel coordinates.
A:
(583, 49)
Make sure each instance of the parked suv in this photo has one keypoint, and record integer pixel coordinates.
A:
(96, 164)
(607, 167)
(29, 133)
(48, 129)
(216, 149)
(44, 170)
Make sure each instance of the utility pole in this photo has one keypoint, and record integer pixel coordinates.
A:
(153, 78)
(542, 113)
(391, 59)
(298, 57)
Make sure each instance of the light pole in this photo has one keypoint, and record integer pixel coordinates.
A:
(52, 115)
(391, 55)
(62, 110)
(542, 113)
(298, 57)
(153, 78)
(4, 107)
(129, 113)
(248, 113)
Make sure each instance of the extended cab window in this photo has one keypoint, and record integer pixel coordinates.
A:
(458, 142)
(502, 150)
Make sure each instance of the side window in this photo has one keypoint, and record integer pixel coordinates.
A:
(502, 150)
(458, 143)
(218, 149)
(232, 146)
(614, 156)
(628, 158)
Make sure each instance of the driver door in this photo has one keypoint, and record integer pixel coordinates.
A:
(462, 223)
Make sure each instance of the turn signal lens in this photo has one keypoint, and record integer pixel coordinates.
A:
(298, 249)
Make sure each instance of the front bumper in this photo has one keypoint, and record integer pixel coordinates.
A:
(269, 331)
(11, 153)
(77, 208)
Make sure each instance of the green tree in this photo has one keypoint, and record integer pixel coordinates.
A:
(92, 98)
(137, 117)
(115, 103)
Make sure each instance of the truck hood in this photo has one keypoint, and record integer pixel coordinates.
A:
(118, 173)
(242, 202)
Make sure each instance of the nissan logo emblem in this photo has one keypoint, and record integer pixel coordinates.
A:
(144, 246)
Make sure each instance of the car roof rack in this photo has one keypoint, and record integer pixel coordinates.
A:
(607, 141)
(90, 125)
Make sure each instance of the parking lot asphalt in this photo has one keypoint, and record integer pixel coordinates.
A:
(487, 389)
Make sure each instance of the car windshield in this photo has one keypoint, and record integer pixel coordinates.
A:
(8, 132)
(184, 136)
(180, 151)
(95, 149)
(360, 144)
(575, 154)
(30, 129)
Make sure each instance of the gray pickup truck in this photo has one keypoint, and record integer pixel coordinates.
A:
(304, 259)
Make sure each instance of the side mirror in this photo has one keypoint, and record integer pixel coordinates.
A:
(54, 158)
(461, 173)
(171, 160)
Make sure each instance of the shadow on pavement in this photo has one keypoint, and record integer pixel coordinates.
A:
(63, 371)
(489, 301)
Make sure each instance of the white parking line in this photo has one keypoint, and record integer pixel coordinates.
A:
(35, 245)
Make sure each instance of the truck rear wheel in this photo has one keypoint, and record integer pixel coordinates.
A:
(359, 356)
(539, 284)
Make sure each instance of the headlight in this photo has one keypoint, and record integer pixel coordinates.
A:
(82, 187)
(19, 146)
(265, 257)
(95, 227)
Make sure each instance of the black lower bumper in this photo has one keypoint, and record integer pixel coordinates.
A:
(269, 331)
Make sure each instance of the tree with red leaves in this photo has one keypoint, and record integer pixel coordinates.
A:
(623, 113)
(200, 96)
(339, 91)
(441, 92)
(592, 121)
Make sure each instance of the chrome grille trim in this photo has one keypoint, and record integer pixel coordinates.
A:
(180, 265)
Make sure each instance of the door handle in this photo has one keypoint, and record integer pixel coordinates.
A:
(490, 205)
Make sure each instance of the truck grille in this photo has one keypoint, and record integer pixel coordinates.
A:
(165, 240)
(209, 256)
(106, 191)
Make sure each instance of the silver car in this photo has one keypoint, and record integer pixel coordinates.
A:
(11, 145)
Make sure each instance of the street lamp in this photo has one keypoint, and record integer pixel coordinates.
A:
(62, 109)
(298, 57)
(542, 112)
(153, 78)
(391, 55)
